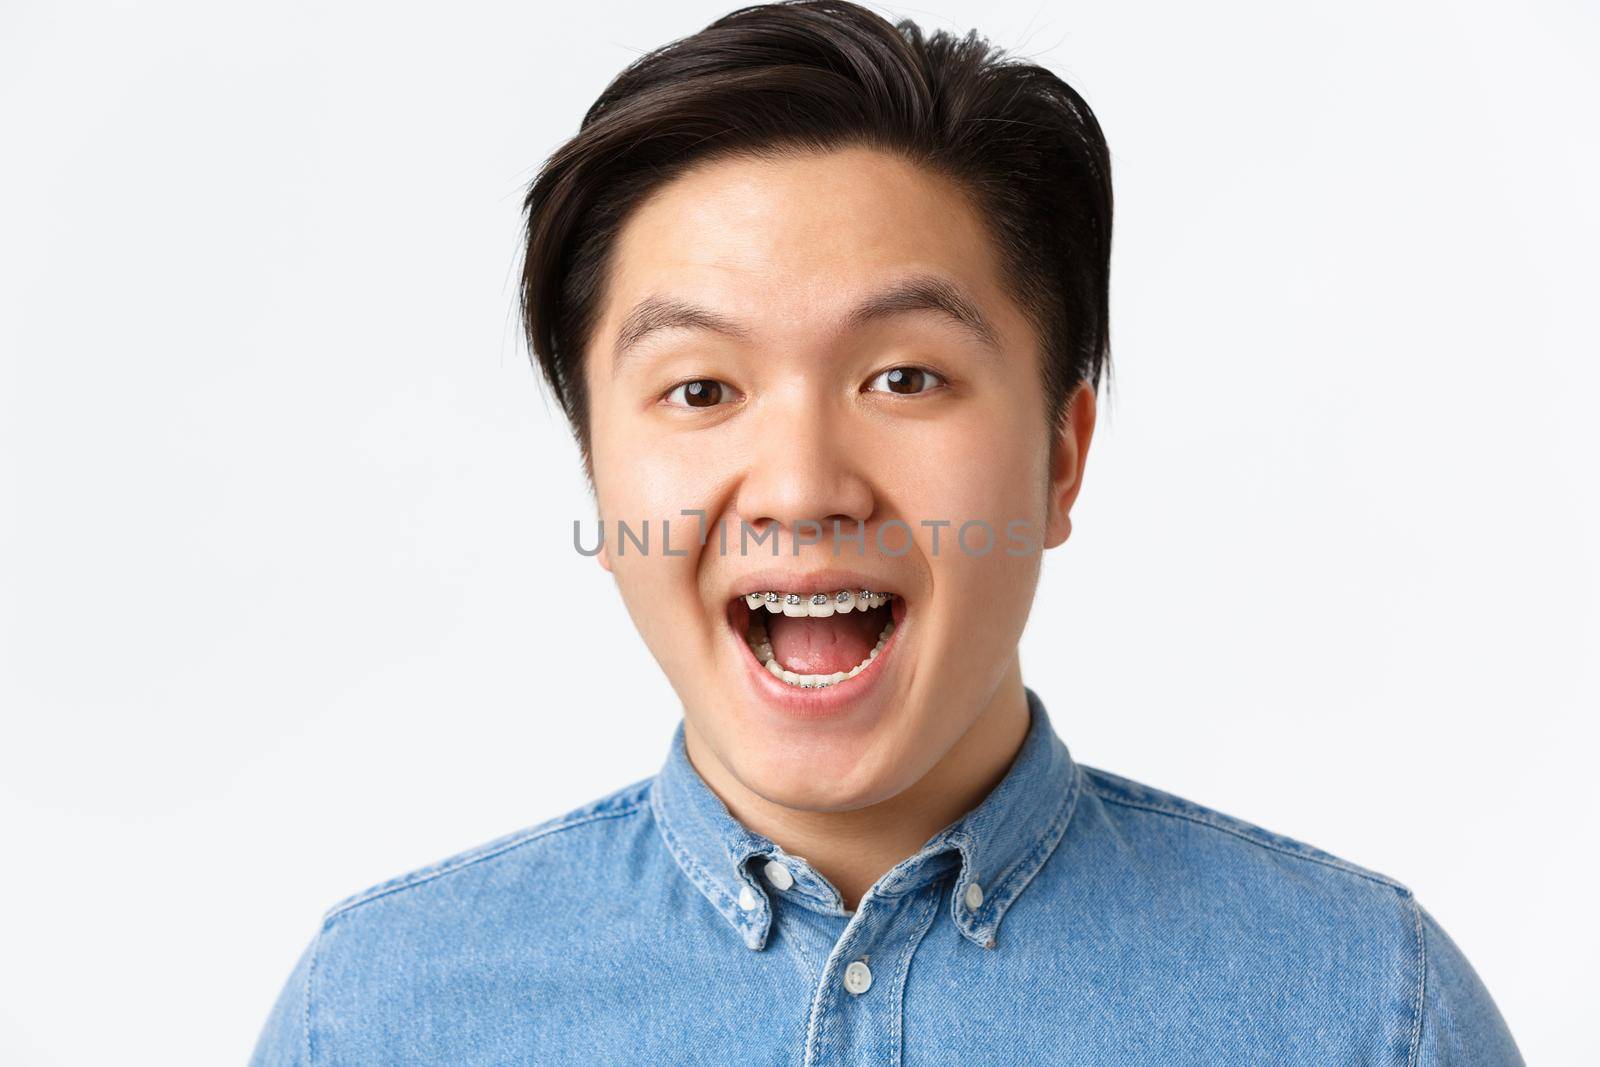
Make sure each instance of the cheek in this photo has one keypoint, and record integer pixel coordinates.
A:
(985, 465)
(653, 583)
(640, 472)
(648, 484)
(985, 469)
(662, 596)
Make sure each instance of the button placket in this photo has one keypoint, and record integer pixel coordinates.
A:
(855, 1011)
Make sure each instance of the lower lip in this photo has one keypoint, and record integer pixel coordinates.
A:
(829, 702)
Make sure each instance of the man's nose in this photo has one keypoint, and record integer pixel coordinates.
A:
(805, 465)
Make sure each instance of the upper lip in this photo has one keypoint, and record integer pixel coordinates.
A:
(808, 583)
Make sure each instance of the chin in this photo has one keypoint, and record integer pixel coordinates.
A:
(805, 768)
(806, 785)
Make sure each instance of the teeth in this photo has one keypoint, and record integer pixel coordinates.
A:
(761, 644)
(817, 605)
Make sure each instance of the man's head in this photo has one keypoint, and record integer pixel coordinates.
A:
(807, 271)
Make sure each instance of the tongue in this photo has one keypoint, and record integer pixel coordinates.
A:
(823, 646)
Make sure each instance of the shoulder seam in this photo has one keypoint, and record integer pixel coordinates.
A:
(1414, 1058)
(488, 852)
(311, 976)
(1200, 820)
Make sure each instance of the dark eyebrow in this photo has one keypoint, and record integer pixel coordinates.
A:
(664, 313)
(918, 293)
(927, 292)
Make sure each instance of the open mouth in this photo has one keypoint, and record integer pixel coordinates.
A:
(815, 640)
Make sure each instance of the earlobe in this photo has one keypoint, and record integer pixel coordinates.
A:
(1069, 452)
(604, 557)
(1058, 530)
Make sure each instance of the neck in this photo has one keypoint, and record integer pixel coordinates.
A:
(853, 849)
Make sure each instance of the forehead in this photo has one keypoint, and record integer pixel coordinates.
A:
(794, 240)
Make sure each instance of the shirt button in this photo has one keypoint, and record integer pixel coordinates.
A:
(747, 899)
(778, 874)
(857, 978)
(974, 895)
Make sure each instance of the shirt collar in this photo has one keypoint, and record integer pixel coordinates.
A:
(998, 845)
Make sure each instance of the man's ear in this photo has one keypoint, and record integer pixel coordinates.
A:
(1069, 451)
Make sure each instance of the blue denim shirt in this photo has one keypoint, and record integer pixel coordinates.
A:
(1072, 917)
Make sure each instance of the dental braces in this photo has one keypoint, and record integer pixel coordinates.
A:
(843, 601)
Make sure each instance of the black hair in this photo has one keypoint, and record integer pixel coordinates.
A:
(817, 75)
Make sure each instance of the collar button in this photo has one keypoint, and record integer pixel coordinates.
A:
(778, 874)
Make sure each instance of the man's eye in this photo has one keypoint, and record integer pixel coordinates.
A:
(700, 393)
(906, 381)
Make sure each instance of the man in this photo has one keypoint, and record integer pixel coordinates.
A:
(825, 301)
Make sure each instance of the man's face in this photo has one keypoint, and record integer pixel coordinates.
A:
(799, 415)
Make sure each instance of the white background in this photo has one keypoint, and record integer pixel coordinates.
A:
(288, 598)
